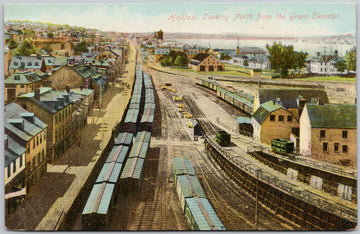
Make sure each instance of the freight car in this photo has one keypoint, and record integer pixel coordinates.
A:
(282, 146)
(124, 138)
(223, 138)
(194, 203)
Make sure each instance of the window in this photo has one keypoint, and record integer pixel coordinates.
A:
(272, 117)
(43, 154)
(39, 158)
(41, 138)
(322, 133)
(325, 146)
(37, 140)
(28, 167)
(336, 147)
(22, 86)
(289, 118)
(21, 161)
(23, 64)
(281, 118)
(344, 134)
(34, 144)
(8, 171)
(345, 148)
(34, 162)
(36, 64)
(16, 64)
(29, 64)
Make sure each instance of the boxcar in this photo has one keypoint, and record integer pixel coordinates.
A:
(202, 216)
(124, 138)
(282, 146)
(130, 178)
(188, 186)
(131, 120)
(182, 166)
(95, 216)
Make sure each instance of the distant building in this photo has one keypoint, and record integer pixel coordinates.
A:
(7, 59)
(159, 53)
(159, 35)
(20, 83)
(206, 62)
(27, 63)
(249, 51)
(328, 133)
(271, 120)
(191, 52)
(30, 132)
(325, 65)
(56, 109)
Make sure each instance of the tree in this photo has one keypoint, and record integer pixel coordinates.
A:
(225, 57)
(246, 63)
(26, 49)
(80, 48)
(48, 49)
(181, 60)
(12, 44)
(351, 59)
(340, 66)
(50, 35)
(282, 58)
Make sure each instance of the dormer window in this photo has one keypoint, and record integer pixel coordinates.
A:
(36, 64)
(16, 64)
(23, 64)
(29, 64)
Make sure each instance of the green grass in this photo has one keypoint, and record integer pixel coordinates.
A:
(329, 78)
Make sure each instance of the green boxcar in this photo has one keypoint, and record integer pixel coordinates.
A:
(282, 146)
(223, 138)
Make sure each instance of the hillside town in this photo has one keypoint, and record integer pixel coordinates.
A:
(71, 93)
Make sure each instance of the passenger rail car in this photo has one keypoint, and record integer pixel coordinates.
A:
(242, 102)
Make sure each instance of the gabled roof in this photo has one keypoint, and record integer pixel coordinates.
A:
(288, 97)
(200, 57)
(332, 115)
(22, 78)
(265, 110)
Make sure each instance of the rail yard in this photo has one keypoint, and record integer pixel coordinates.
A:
(160, 174)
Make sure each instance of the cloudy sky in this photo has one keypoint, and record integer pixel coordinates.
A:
(297, 19)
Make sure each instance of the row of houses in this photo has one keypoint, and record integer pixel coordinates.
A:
(320, 130)
(39, 127)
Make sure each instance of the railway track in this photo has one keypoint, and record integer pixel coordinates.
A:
(231, 202)
(206, 125)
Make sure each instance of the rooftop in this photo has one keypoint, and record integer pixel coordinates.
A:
(332, 115)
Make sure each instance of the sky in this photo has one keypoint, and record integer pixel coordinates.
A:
(260, 19)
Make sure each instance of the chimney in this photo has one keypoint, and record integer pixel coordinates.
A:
(37, 94)
(28, 116)
(18, 123)
(302, 103)
(6, 143)
(67, 89)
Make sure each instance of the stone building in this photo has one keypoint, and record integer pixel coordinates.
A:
(328, 133)
(55, 108)
(271, 121)
(31, 133)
